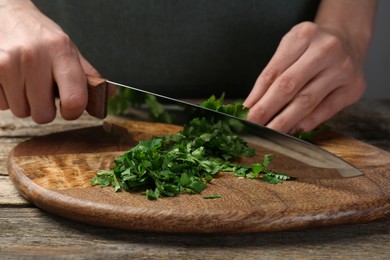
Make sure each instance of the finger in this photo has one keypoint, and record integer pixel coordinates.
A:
(40, 93)
(285, 87)
(305, 101)
(3, 100)
(71, 81)
(290, 49)
(336, 101)
(39, 84)
(12, 85)
(315, 59)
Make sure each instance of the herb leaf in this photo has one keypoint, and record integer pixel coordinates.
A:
(213, 196)
(235, 109)
(172, 164)
(183, 162)
(125, 98)
(186, 161)
(310, 135)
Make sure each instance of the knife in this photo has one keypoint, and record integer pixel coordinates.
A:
(287, 145)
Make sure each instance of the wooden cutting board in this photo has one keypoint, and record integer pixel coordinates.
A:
(54, 173)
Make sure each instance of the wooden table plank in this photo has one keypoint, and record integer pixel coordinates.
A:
(6, 145)
(9, 196)
(61, 237)
(27, 232)
(17, 127)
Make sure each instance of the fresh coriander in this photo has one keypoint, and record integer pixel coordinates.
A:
(310, 135)
(186, 161)
(235, 109)
(125, 98)
(183, 162)
(213, 196)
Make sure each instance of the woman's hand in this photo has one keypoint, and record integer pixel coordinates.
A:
(316, 71)
(35, 54)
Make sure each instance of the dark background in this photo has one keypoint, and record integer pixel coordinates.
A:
(181, 48)
(212, 46)
(378, 59)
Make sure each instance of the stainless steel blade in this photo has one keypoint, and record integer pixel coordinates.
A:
(181, 112)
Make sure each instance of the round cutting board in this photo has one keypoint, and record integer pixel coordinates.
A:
(54, 173)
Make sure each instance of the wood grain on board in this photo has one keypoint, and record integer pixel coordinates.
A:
(54, 173)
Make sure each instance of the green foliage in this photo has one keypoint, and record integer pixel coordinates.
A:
(310, 135)
(186, 161)
(125, 98)
(183, 162)
(213, 196)
(261, 171)
(235, 109)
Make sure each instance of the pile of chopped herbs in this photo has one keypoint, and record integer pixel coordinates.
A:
(309, 136)
(186, 161)
(235, 109)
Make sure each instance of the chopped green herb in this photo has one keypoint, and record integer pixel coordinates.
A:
(310, 135)
(186, 161)
(214, 196)
(125, 98)
(235, 109)
(183, 162)
(261, 171)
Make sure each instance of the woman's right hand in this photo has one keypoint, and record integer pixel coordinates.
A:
(35, 55)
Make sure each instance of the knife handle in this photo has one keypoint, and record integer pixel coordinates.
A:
(97, 96)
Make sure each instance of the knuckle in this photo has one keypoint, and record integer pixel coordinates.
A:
(304, 29)
(28, 55)
(282, 124)
(19, 54)
(268, 76)
(258, 114)
(57, 38)
(347, 67)
(5, 62)
(307, 100)
(301, 32)
(60, 42)
(286, 85)
(345, 71)
(331, 44)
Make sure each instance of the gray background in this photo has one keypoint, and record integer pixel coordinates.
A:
(378, 59)
(180, 48)
(377, 64)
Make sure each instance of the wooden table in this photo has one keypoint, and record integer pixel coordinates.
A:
(27, 232)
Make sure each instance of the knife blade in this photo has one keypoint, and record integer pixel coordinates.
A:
(182, 112)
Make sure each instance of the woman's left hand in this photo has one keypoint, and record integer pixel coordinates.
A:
(313, 74)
